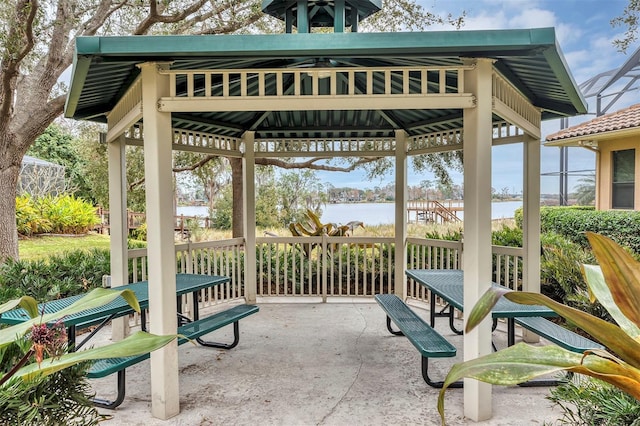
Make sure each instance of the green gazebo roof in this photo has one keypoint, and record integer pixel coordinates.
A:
(104, 67)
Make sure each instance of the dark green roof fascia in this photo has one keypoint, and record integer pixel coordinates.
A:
(81, 65)
(318, 44)
(558, 64)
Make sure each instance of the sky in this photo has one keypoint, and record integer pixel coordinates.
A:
(584, 33)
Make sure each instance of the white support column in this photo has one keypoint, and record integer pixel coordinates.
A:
(531, 221)
(165, 396)
(249, 217)
(400, 215)
(477, 227)
(118, 226)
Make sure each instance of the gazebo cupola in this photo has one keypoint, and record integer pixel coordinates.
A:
(306, 14)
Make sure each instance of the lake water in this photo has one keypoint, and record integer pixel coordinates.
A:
(370, 213)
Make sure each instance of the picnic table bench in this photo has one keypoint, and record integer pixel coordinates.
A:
(425, 338)
(448, 285)
(558, 334)
(188, 331)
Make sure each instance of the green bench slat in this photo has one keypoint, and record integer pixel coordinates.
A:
(195, 329)
(190, 331)
(427, 340)
(558, 334)
(107, 366)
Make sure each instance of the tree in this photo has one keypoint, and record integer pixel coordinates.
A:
(586, 191)
(60, 147)
(37, 42)
(629, 19)
(212, 173)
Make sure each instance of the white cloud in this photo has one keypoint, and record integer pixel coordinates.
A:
(486, 21)
(533, 18)
(567, 33)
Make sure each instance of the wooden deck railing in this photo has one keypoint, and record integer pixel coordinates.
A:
(135, 220)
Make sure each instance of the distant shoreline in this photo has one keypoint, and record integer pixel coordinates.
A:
(382, 213)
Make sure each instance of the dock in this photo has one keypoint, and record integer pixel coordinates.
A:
(135, 220)
(433, 211)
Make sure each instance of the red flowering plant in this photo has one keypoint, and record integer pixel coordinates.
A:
(49, 339)
(46, 337)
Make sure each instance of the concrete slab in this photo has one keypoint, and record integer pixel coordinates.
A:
(316, 364)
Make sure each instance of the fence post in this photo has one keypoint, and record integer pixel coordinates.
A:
(325, 278)
(189, 270)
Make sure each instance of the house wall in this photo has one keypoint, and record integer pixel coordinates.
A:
(604, 172)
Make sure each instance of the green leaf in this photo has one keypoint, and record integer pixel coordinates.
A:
(95, 298)
(27, 303)
(598, 287)
(610, 335)
(621, 273)
(606, 333)
(523, 362)
(136, 344)
(483, 306)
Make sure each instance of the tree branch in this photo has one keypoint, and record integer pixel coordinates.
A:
(155, 16)
(17, 45)
(309, 164)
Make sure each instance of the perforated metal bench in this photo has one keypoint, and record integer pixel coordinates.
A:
(426, 340)
(558, 334)
(188, 331)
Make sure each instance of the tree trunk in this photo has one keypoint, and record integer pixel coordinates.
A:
(237, 183)
(8, 231)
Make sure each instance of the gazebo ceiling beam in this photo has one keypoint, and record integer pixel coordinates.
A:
(454, 118)
(189, 119)
(320, 103)
(325, 129)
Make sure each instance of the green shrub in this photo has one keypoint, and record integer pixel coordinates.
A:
(59, 276)
(449, 235)
(28, 219)
(572, 222)
(41, 382)
(587, 401)
(140, 233)
(59, 399)
(67, 214)
(561, 276)
(63, 214)
(508, 236)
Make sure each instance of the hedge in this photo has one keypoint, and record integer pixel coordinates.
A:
(572, 223)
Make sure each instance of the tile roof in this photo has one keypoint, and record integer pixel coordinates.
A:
(624, 119)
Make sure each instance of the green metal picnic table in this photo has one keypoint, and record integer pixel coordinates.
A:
(100, 316)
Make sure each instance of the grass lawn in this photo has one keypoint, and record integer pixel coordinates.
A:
(42, 247)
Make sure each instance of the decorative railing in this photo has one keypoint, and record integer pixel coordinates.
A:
(293, 82)
(126, 112)
(322, 267)
(181, 223)
(506, 94)
(185, 140)
(507, 266)
(224, 257)
(449, 140)
(303, 147)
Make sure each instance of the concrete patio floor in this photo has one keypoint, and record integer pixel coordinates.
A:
(317, 364)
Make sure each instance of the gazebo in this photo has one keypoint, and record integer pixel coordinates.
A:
(321, 94)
